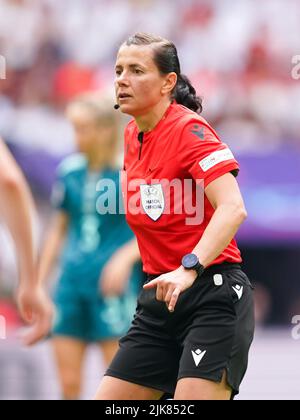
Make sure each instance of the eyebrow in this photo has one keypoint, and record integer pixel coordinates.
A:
(131, 66)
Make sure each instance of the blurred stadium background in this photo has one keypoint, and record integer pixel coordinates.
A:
(239, 56)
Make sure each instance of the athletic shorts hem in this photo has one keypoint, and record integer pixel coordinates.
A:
(86, 339)
(107, 338)
(213, 378)
(117, 375)
(70, 335)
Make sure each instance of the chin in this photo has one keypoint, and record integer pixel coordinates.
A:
(127, 109)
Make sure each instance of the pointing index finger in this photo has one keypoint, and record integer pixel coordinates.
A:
(174, 299)
(153, 283)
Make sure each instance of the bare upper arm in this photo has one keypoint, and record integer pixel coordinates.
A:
(224, 190)
(9, 171)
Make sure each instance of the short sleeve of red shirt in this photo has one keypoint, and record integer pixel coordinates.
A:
(203, 155)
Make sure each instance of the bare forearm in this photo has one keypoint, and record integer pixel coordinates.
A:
(220, 231)
(16, 208)
(131, 250)
(48, 257)
(52, 247)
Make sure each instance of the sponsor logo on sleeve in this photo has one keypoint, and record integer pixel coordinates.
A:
(215, 158)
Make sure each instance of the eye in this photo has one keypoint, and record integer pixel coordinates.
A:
(118, 72)
(138, 71)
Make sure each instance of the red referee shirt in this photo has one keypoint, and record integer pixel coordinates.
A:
(185, 151)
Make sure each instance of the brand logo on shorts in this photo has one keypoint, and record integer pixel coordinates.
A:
(238, 290)
(198, 356)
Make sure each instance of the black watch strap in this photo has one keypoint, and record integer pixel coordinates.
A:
(199, 269)
(191, 262)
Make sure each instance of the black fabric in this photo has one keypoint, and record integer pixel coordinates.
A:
(210, 331)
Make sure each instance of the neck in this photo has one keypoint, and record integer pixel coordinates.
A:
(147, 122)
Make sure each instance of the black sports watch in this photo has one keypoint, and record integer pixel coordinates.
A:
(191, 262)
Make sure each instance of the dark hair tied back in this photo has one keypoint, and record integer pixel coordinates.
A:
(166, 58)
(185, 94)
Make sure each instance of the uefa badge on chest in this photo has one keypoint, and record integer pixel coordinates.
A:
(153, 201)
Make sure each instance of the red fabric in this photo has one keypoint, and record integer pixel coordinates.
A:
(71, 79)
(182, 146)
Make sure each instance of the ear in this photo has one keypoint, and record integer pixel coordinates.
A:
(169, 83)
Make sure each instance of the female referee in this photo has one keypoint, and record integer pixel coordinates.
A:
(96, 293)
(194, 321)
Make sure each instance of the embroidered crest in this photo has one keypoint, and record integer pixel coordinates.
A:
(153, 201)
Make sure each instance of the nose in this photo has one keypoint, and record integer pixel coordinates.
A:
(121, 80)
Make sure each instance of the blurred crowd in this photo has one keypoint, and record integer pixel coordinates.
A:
(238, 54)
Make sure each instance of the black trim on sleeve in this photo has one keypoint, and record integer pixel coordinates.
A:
(235, 172)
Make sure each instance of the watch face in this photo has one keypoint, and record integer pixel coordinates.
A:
(189, 260)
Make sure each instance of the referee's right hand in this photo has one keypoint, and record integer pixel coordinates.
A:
(170, 285)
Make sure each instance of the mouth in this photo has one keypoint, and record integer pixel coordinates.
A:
(123, 96)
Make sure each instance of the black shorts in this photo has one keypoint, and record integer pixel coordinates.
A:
(210, 331)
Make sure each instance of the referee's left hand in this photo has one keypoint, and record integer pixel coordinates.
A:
(170, 285)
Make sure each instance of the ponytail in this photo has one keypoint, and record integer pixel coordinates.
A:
(185, 94)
